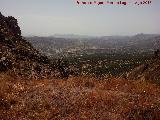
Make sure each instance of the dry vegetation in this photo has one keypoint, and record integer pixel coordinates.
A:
(78, 98)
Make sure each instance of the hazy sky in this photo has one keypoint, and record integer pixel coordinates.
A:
(49, 17)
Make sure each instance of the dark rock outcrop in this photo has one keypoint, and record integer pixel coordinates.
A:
(17, 56)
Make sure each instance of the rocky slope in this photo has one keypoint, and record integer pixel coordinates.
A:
(149, 71)
(17, 56)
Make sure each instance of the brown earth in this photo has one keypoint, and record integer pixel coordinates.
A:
(78, 98)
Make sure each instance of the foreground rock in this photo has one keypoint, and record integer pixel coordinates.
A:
(17, 56)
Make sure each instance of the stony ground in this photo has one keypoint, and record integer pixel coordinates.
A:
(78, 98)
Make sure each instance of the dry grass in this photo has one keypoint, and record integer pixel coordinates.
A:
(78, 98)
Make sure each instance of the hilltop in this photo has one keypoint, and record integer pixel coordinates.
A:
(78, 98)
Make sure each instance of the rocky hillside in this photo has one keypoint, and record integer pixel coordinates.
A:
(149, 71)
(17, 56)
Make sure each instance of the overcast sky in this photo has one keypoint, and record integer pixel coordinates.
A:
(49, 17)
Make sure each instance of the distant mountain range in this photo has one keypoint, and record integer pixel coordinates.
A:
(73, 36)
